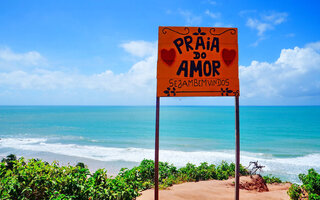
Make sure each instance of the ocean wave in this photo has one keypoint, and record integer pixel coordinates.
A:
(178, 158)
(20, 141)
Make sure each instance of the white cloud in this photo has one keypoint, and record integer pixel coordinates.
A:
(266, 22)
(140, 48)
(10, 60)
(140, 76)
(294, 74)
(217, 17)
(191, 19)
(31, 57)
(259, 26)
(213, 15)
(314, 45)
(138, 80)
(276, 17)
(256, 43)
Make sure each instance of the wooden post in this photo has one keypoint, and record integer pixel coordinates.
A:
(156, 156)
(237, 148)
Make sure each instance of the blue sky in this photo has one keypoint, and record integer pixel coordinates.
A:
(104, 52)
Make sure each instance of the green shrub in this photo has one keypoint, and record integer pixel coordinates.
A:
(271, 179)
(166, 170)
(206, 172)
(80, 164)
(36, 179)
(310, 184)
(294, 192)
(188, 173)
(224, 170)
(9, 161)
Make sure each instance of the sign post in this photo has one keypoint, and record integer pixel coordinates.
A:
(237, 149)
(156, 156)
(197, 61)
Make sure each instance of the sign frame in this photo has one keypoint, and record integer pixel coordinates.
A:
(199, 61)
(166, 60)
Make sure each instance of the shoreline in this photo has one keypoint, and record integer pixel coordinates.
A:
(274, 166)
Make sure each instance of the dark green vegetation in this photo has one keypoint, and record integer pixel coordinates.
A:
(310, 188)
(36, 179)
(271, 179)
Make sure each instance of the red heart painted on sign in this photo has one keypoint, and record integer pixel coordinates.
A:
(228, 56)
(168, 56)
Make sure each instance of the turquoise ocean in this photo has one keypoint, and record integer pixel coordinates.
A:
(286, 140)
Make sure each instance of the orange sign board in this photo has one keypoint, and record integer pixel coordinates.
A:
(197, 61)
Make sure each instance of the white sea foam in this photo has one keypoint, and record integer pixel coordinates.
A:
(20, 141)
(179, 158)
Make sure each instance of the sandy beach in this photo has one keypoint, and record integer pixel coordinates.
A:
(218, 190)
